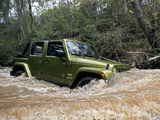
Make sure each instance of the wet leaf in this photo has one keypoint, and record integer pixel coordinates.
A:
(130, 11)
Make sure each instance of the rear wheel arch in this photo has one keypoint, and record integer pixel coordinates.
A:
(18, 68)
(19, 73)
(22, 67)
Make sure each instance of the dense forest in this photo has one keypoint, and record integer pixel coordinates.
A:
(123, 30)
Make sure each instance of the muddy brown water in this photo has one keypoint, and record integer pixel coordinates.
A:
(132, 95)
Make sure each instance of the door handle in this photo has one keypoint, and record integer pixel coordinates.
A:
(31, 59)
(46, 61)
(40, 62)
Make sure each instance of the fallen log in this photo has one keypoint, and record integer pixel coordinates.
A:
(154, 58)
(143, 61)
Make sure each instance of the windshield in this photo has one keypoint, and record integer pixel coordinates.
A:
(80, 49)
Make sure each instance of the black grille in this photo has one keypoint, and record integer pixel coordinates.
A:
(122, 69)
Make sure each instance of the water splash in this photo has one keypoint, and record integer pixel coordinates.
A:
(133, 95)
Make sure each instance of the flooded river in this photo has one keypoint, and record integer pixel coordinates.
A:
(133, 95)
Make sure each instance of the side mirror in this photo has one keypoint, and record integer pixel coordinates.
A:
(59, 53)
(19, 55)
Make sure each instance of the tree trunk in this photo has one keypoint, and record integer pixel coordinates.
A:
(125, 6)
(30, 13)
(149, 31)
(5, 10)
(154, 6)
(20, 17)
(24, 14)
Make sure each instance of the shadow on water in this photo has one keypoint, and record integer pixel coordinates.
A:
(132, 95)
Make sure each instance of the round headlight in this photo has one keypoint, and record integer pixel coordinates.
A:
(114, 70)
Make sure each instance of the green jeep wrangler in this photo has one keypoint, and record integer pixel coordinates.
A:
(64, 62)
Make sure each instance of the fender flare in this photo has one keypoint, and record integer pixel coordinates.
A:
(99, 71)
(25, 67)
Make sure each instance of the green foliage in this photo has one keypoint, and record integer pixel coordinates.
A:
(101, 23)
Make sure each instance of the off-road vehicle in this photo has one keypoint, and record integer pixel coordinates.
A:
(63, 61)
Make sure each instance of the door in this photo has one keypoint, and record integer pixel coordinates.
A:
(36, 59)
(54, 68)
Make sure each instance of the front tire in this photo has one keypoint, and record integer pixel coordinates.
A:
(19, 73)
(84, 81)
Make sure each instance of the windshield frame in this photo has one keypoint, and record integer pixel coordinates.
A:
(85, 50)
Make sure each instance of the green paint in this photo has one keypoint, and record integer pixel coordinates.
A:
(44, 64)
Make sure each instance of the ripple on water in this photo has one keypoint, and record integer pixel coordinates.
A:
(130, 95)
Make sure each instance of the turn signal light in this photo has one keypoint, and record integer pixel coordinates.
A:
(103, 75)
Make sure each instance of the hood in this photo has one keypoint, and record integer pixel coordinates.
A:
(88, 61)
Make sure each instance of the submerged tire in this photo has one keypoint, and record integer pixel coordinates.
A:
(19, 73)
(84, 81)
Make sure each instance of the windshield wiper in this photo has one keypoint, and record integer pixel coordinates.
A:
(85, 55)
(79, 55)
(88, 55)
(91, 56)
(76, 54)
